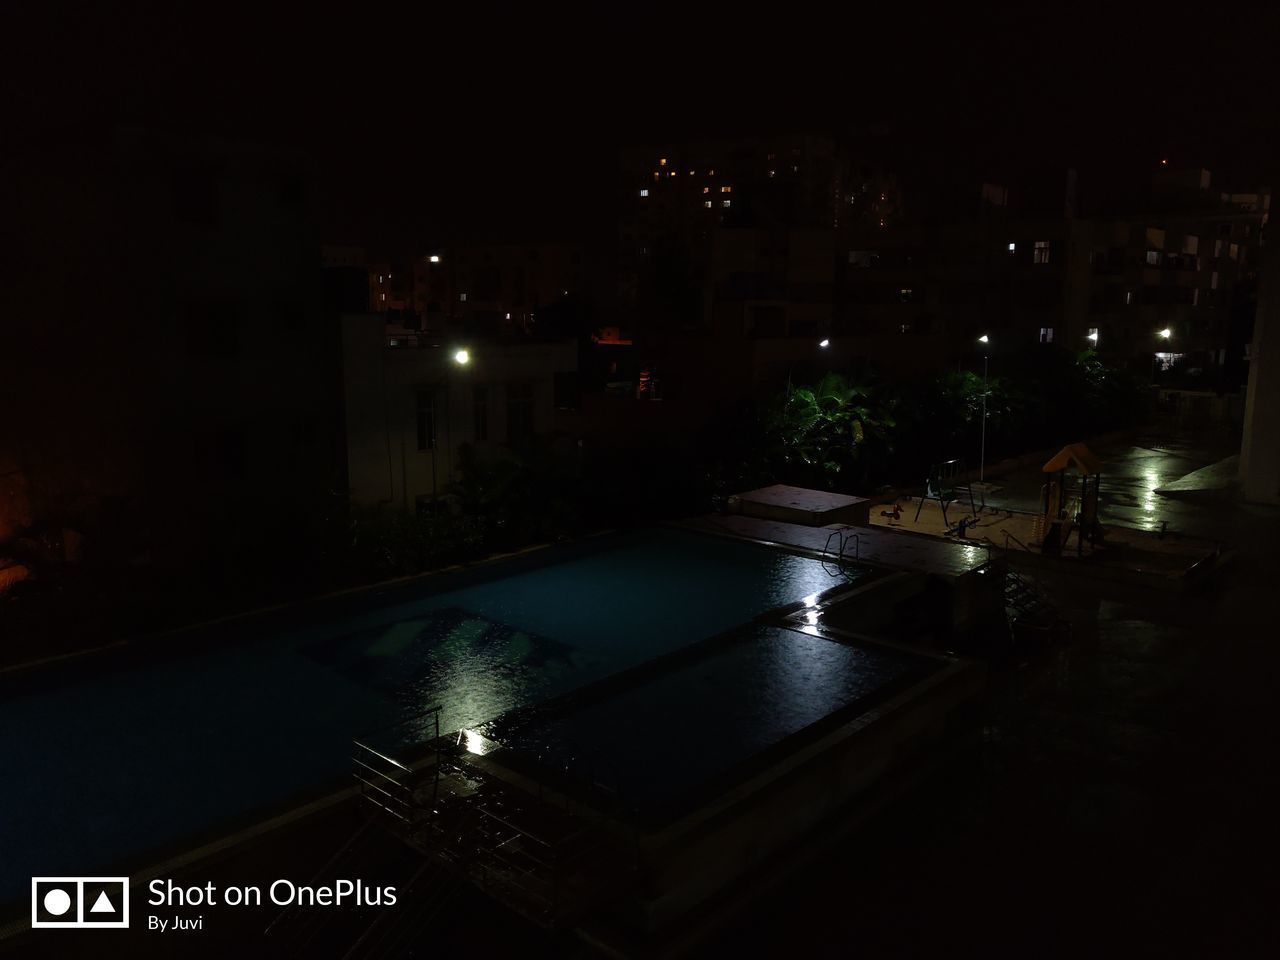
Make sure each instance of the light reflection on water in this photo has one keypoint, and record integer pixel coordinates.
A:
(483, 650)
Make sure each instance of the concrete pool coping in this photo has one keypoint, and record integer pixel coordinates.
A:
(875, 547)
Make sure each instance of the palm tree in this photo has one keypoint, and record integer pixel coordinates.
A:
(817, 433)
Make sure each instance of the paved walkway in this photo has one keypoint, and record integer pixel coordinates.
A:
(1017, 531)
(1132, 472)
(881, 547)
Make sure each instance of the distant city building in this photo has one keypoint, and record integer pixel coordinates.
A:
(494, 288)
(726, 245)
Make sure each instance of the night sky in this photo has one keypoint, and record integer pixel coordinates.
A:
(495, 123)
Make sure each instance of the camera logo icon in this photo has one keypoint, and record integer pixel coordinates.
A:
(79, 902)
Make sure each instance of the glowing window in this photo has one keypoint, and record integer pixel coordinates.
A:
(1046, 334)
(1153, 258)
(644, 193)
(707, 204)
(1013, 248)
(462, 298)
(726, 203)
(1041, 252)
(726, 189)
(434, 258)
(662, 162)
(706, 189)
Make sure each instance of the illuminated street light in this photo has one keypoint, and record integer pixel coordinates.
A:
(824, 344)
(984, 339)
(1093, 336)
(1164, 334)
(462, 357)
(434, 258)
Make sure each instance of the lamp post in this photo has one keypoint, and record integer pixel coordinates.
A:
(460, 357)
(823, 344)
(982, 449)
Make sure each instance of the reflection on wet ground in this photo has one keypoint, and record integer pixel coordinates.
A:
(1122, 796)
(1131, 473)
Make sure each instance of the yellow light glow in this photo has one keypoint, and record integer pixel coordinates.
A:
(462, 357)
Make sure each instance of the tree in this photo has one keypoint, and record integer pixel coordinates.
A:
(821, 435)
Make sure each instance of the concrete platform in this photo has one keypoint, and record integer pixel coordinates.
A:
(811, 508)
(876, 547)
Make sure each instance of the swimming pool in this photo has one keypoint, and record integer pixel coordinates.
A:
(662, 739)
(122, 755)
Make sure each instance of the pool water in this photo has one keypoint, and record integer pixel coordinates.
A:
(679, 732)
(112, 759)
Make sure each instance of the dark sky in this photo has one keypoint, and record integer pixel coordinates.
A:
(495, 121)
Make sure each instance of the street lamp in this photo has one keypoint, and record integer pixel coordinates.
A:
(823, 344)
(1164, 334)
(462, 357)
(1092, 338)
(982, 449)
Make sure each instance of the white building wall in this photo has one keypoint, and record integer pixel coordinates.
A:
(381, 386)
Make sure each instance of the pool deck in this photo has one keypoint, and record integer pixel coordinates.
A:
(1130, 554)
(877, 547)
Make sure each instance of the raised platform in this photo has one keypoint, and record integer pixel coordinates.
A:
(875, 546)
(810, 508)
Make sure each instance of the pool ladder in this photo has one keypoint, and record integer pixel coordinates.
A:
(843, 537)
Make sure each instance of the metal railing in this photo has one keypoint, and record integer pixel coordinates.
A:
(844, 535)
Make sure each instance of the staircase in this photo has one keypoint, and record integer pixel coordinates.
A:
(538, 853)
(1029, 610)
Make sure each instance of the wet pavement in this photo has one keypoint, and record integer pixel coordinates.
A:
(1132, 471)
(1123, 795)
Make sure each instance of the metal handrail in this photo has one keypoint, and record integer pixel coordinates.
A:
(1009, 536)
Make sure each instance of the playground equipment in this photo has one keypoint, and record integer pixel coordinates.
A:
(1070, 499)
(946, 481)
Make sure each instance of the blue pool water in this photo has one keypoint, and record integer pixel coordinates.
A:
(658, 742)
(110, 760)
